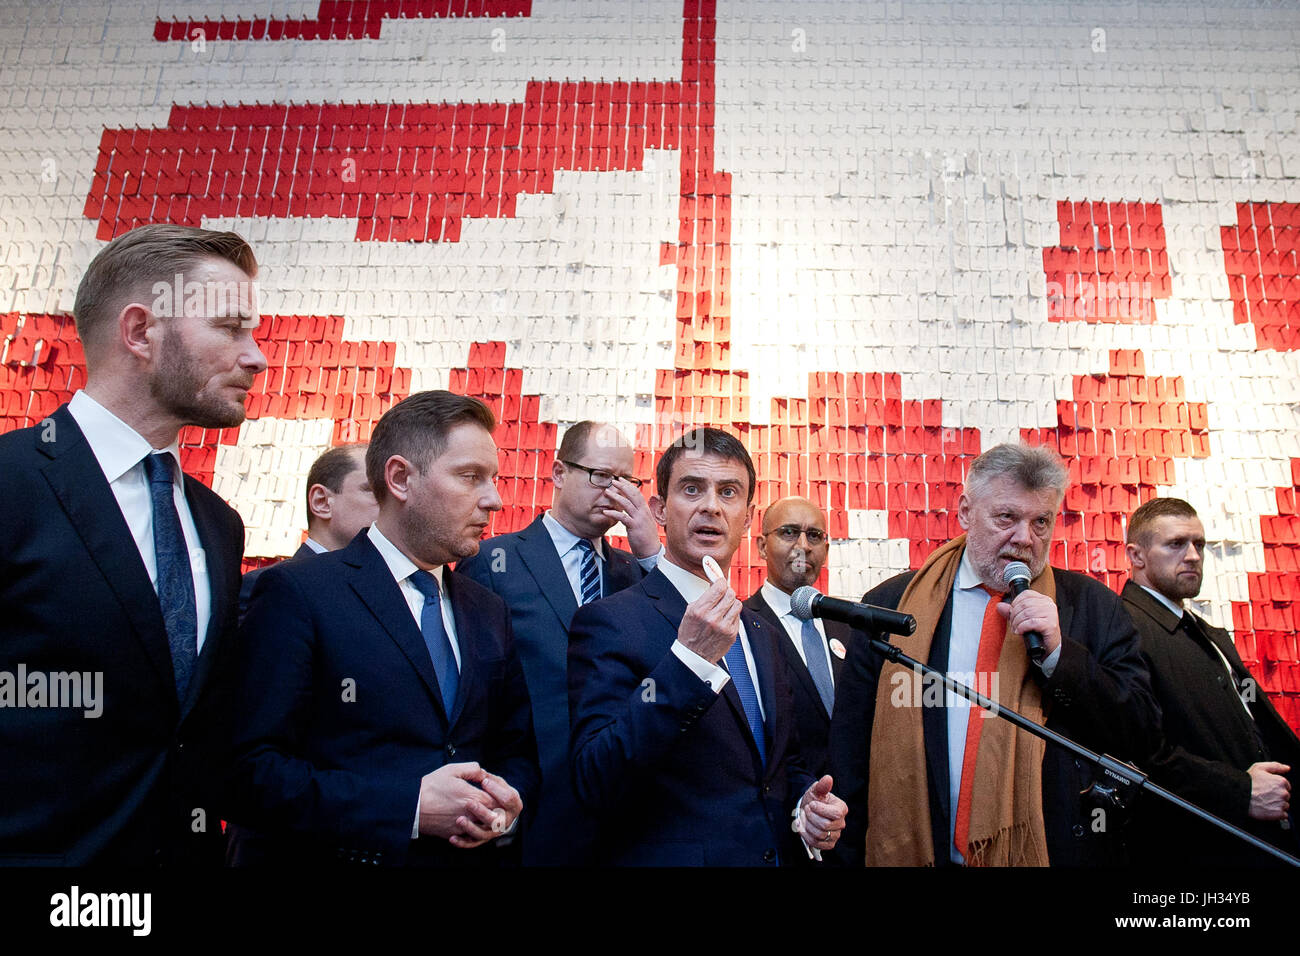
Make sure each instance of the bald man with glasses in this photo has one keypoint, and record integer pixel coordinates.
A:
(795, 545)
(546, 572)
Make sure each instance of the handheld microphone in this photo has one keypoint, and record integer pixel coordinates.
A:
(1016, 578)
(807, 602)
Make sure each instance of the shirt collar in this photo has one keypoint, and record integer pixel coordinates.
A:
(1177, 611)
(966, 579)
(688, 585)
(776, 599)
(315, 545)
(116, 445)
(399, 565)
(564, 539)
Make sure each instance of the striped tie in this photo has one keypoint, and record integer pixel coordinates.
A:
(588, 573)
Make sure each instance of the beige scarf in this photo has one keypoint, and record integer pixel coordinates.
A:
(1006, 827)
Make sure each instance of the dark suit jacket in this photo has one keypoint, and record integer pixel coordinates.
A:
(341, 715)
(810, 713)
(132, 786)
(250, 579)
(1099, 695)
(670, 767)
(1206, 744)
(525, 570)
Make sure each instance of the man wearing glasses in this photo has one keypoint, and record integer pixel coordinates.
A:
(794, 543)
(545, 573)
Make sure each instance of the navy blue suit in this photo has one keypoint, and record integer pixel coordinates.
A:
(122, 788)
(341, 715)
(669, 766)
(525, 570)
(250, 579)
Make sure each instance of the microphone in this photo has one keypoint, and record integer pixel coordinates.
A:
(1016, 578)
(807, 602)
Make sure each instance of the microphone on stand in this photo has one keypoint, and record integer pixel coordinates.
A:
(807, 602)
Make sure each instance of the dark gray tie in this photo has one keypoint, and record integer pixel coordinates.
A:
(175, 579)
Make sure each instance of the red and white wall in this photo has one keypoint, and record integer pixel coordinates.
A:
(872, 239)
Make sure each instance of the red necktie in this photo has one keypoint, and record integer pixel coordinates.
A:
(992, 633)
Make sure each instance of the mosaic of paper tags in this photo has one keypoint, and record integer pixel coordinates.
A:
(870, 239)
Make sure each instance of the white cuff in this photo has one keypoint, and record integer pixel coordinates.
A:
(713, 675)
(648, 564)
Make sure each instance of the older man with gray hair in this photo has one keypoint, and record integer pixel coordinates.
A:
(931, 781)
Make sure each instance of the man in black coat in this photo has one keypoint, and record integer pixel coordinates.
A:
(931, 781)
(1222, 745)
(119, 574)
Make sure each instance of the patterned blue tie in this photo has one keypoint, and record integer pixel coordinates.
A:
(748, 696)
(588, 573)
(814, 652)
(436, 639)
(175, 579)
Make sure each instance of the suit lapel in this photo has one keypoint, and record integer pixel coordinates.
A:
(762, 645)
(84, 493)
(537, 552)
(620, 570)
(837, 630)
(210, 540)
(934, 720)
(373, 583)
(670, 603)
(765, 611)
(468, 626)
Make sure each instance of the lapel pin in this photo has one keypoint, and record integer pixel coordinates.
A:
(837, 648)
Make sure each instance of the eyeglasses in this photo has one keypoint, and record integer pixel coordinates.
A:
(789, 533)
(603, 479)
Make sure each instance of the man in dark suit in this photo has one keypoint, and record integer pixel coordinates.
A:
(1222, 745)
(119, 574)
(931, 781)
(544, 572)
(795, 545)
(384, 717)
(684, 739)
(339, 504)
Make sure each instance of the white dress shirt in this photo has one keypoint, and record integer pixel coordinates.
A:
(315, 545)
(566, 546)
(120, 451)
(779, 602)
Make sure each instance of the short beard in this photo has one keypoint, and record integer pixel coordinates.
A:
(177, 386)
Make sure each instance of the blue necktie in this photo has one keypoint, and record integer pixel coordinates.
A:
(748, 696)
(175, 579)
(814, 652)
(588, 573)
(436, 639)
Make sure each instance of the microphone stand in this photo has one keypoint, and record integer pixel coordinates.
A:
(1124, 781)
